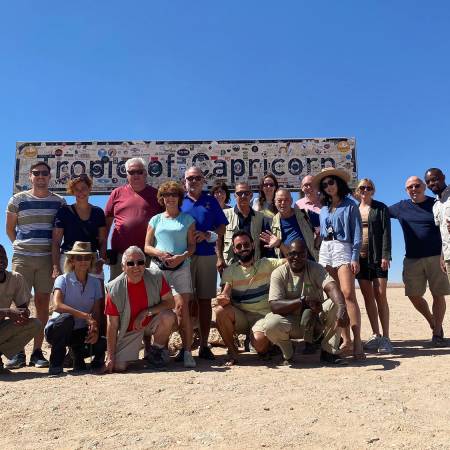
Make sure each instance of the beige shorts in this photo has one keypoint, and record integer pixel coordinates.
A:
(204, 276)
(37, 271)
(179, 280)
(129, 345)
(245, 321)
(416, 273)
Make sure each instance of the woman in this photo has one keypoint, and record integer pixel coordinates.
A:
(170, 242)
(340, 230)
(77, 312)
(222, 194)
(374, 261)
(266, 200)
(79, 222)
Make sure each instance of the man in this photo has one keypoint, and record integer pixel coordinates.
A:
(242, 303)
(241, 217)
(435, 180)
(423, 246)
(139, 305)
(210, 225)
(16, 328)
(290, 224)
(130, 207)
(310, 201)
(29, 225)
(299, 310)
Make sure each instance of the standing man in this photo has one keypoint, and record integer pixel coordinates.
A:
(130, 207)
(210, 225)
(241, 217)
(435, 180)
(423, 246)
(29, 225)
(311, 201)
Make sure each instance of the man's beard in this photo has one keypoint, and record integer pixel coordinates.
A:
(246, 258)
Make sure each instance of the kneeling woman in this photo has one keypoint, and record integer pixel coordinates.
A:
(77, 311)
(341, 232)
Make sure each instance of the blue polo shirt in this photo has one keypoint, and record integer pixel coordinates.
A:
(208, 216)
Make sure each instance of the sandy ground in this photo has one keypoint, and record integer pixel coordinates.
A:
(396, 401)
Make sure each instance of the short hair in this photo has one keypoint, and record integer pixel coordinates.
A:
(82, 178)
(282, 189)
(39, 163)
(434, 169)
(342, 191)
(2, 248)
(223, 186)
(69, 263)
(131, 251)
(136, 160)
(169, 186)
(241, 233)
(360, 183)
(193, 167)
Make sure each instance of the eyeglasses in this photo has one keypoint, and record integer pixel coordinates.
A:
(413, 186)
(169, 194)
(194, 178)
(244, 193)
(268, 185)
(139, 262)
(365, 188)
(330, 182)
(83, 257)
(136, 172)
(244, 246)
(43, 173)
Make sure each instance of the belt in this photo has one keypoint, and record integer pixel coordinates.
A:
(329, 238)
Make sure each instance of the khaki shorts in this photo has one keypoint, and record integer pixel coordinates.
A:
(204, 276)
(37, 271)
(130, 344)
(416, 273)
(245, 321)
(447, 266)
(179, 280)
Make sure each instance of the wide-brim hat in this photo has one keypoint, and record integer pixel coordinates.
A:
(329, 171)
(81, 248)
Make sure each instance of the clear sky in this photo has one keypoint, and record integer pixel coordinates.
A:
(110, 70)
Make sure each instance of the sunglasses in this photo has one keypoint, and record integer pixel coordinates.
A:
(43, 173)
(170, 194)
(413, 186)
(136, 172)
(83, 257)
(325, 184)
(268, 185)
(244, 193)
(244, 246)
(366, 188)
(139, 262)
(194, 178)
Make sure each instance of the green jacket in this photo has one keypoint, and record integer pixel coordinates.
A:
(305, 227)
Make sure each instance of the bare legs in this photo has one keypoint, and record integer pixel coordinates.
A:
(184, 319)
(436, 318)
(204, 319)
(42, 302)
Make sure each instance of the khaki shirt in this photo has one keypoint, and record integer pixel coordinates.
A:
(14, 290)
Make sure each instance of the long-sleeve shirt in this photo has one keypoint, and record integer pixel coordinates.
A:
(346, 223)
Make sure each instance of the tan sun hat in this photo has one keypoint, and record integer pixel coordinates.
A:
(329, 171)
(81, 248)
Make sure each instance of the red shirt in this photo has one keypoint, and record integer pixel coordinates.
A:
(131, 212)
(137, 296)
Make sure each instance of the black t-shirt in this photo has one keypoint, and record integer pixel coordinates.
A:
(76, 229)
(422, 236)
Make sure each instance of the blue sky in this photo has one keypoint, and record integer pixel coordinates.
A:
(376, 70)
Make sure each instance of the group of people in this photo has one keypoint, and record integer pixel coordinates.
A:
(287, 271)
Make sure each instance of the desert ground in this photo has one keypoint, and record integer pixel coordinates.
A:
(390, 401)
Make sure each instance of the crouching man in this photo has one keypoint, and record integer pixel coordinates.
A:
(298, 307)
(139, 307)
(16, 328)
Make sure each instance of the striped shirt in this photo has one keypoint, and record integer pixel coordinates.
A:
(34, 222)
(250, 285)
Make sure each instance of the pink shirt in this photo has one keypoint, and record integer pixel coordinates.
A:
(305, 203)
(131, 212)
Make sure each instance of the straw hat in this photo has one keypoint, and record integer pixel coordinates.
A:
(81, 248)
(329, 171)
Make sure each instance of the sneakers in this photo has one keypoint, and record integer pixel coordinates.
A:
(438, 340)
(188, 360)
(55, 371)
(206, 353)
(373, 343)
(17, 361)
(385, 345)
(332, 360)
(179, 357)
(38, 360)
(155, 358)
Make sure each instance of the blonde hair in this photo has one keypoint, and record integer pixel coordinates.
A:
(360, 183)
(69, 264)
(82, 178)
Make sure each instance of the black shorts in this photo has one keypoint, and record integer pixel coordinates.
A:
(370, 271)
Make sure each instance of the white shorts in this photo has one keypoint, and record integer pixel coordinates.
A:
(335, 253)
(179, 280)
